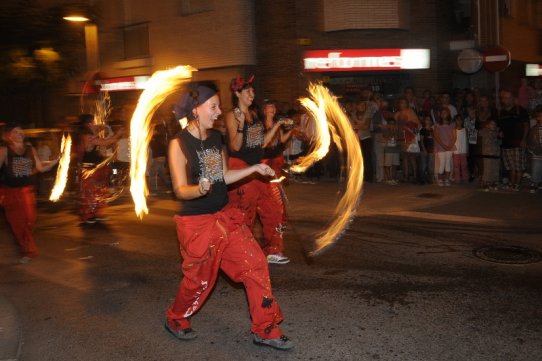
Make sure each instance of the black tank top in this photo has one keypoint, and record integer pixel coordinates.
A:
(274, 149)
(204, 159)
(21, 169)
(92, 156)
(251, 151)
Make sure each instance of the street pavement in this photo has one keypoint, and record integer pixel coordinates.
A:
(403, 282)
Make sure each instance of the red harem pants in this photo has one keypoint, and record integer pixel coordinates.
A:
(276, 188)
(254, 196)
(276, 164)
(93, 192)
(461, 172)
(20, 208)
(211, 242)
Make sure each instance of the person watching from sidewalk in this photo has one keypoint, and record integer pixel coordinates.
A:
(17, 194)
(247, 139)
(513, 121)
(534, 143)
(212, 234)
(391, 151)
(491, 155)
(444, 137)
(427, 155)
(405, 117)
(460, 152)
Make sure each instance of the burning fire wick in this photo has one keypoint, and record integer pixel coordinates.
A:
(277, 180)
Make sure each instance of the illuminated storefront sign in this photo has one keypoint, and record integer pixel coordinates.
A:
(123, 84)
(533, 70)
(365, 59)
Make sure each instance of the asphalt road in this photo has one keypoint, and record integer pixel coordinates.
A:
(403, 282)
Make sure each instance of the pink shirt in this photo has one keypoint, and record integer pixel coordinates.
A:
(444, 132)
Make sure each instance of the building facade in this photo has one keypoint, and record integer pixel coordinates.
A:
(269, 39)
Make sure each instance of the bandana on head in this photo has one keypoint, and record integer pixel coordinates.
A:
(237, 84)
(197, 95)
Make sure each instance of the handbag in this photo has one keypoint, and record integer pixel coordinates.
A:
(413, 148)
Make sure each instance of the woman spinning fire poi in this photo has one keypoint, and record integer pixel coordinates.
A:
(94, 175)
(213, 236)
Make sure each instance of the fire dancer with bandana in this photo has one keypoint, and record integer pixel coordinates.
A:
(247, 138)
(211, 234)
(93, 173)
(18, 195)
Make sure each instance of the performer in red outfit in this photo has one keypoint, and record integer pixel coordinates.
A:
(94, 175)
(274, 153)
(18, 195)
(247, 139)
(213, 236)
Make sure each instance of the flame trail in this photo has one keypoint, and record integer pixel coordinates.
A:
(85, 173)
(159, 87)
(329, 117)
(321, 142)
(62, 170)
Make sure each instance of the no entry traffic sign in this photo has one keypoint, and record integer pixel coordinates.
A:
(496, 59)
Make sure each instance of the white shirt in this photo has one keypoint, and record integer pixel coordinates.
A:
(461, 143)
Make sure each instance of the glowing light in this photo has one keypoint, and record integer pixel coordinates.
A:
(365, 59)
(62, 170)
(76, 18)
(158, 88)
(329, 117)
(278, 180)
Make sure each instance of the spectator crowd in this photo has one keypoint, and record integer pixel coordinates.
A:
(454, 137)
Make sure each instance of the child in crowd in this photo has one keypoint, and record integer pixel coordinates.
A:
(471, 125)
(427, 155)
(391, 151)
(444, 136)
(461, 174)
(412, 151)
(534, 143)
(491, 155)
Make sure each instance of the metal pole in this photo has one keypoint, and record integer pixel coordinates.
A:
(498, 41)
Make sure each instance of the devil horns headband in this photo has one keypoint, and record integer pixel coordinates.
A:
(237, 84)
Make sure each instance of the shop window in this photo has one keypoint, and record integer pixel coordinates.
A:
(190, 7)
(136, 41)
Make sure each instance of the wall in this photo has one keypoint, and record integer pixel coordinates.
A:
(280, 23)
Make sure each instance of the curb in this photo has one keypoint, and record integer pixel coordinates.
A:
(10, 331)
